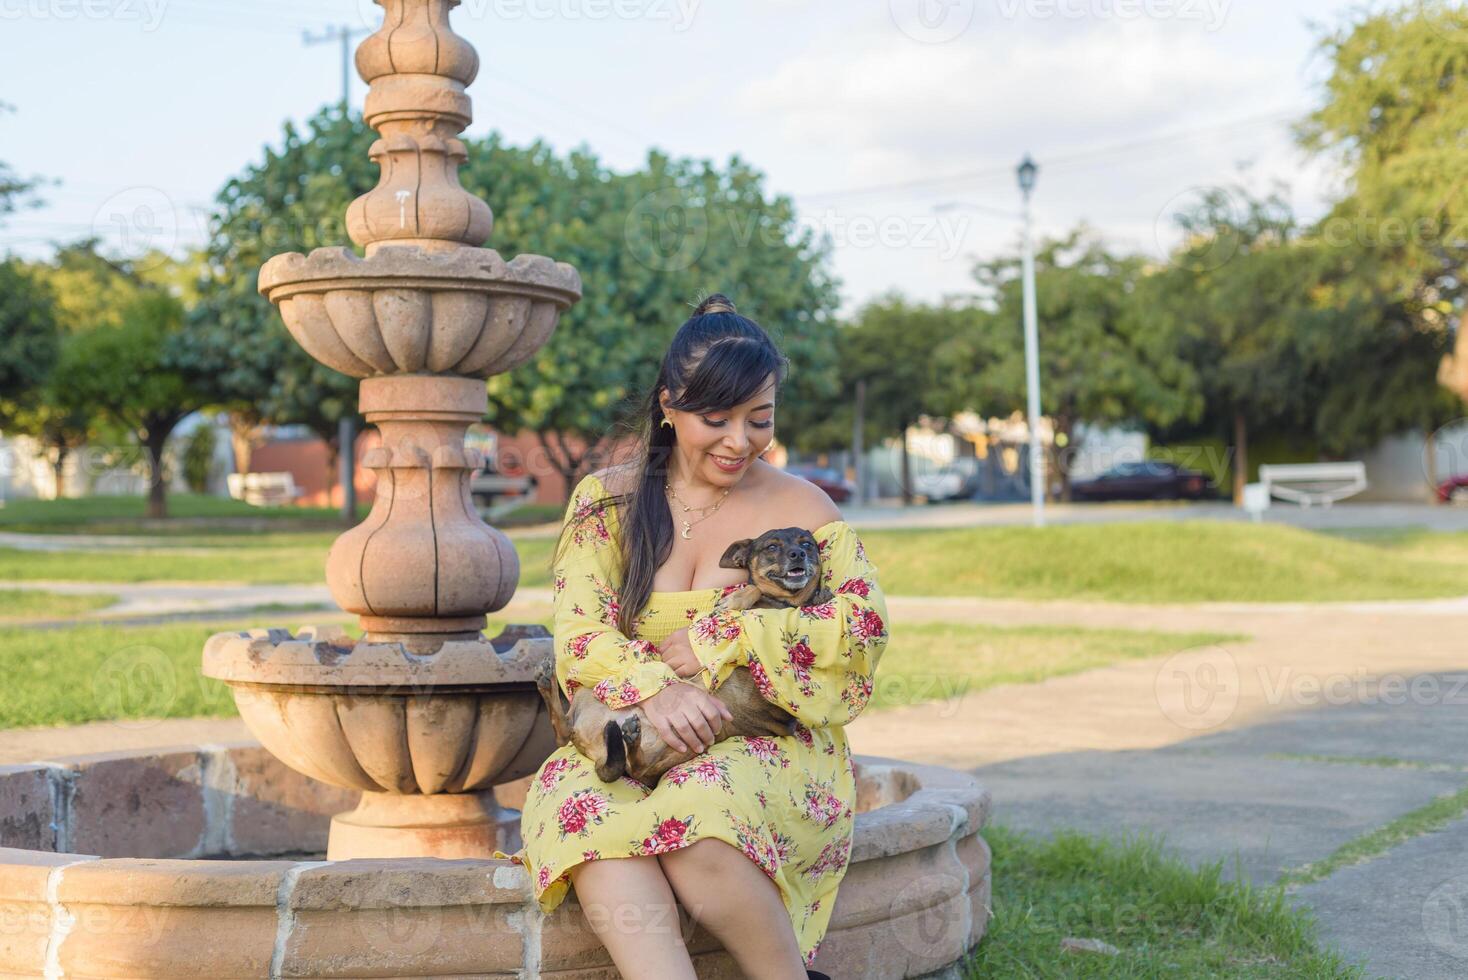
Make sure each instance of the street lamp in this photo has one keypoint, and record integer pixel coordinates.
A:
(1028, 171)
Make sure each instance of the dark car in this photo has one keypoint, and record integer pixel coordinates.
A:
(831, 480)
(1151, 480)
(1454, 490)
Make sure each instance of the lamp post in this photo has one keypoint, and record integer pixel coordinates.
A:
(1028, 171)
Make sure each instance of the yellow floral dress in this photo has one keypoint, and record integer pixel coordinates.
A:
(787, 802)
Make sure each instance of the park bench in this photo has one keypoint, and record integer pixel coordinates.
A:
(263, 489)
(1308, 484)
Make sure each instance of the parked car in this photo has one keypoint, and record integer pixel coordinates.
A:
(829, 479)
(1454, 490)
(1150, 480)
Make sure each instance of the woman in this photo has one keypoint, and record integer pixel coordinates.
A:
(752, 835)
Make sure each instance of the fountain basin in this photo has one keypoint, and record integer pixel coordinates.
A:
(406, 309)
(209, 861)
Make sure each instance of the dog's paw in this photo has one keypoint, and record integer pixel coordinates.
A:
(743, 597)
(631, 730)
(545, 674)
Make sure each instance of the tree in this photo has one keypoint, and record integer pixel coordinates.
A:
(1288, 330)
(16, 192)
(1103, 358)
(29, 340)
(914, 359)
(648, 245)
(294, 200)
(1394, 113)
(133, 383)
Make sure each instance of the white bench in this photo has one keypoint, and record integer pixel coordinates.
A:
(1313, 483)
(263, 489)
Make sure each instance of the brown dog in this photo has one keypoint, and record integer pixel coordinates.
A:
(784, 571)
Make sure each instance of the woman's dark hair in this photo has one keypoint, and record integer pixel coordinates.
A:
(717, 359)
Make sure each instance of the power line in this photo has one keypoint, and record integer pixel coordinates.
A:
(934, 183)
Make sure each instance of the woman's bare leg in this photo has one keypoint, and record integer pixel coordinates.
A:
(634, 913)
(737, 902)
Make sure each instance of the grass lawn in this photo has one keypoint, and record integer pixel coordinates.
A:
(35, 604)
(1191, 561)
(1165, 918)
(93, 673)
(1164, 561)
(187, 512)
(190, 514)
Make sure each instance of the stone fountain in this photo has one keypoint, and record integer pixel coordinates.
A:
(424, 715)
(248, 860)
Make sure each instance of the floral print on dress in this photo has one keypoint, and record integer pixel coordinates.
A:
(785, 802)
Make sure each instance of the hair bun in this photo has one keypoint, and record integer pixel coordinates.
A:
(717, 303)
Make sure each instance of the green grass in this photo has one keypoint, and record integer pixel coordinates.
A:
(1163, 561)
(190, 514)
(129, 514)
(1416, 542)
(101, 673)
(251, 565)
(1166, 919)
(92, 673)
(263, 559)
(943, 661)
(36, 604)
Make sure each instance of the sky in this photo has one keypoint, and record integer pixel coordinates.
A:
(895, 125)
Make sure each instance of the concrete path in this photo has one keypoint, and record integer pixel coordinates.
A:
(1258, 753)
(1267, 753)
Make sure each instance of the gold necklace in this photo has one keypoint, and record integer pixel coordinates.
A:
(711, 508)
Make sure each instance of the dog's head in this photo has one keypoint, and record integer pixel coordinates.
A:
(784, 563)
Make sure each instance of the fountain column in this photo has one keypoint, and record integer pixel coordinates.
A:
(424, 714)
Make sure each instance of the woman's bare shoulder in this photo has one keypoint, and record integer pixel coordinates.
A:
(809, 506)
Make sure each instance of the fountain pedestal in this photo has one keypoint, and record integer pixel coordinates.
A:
(424, 715)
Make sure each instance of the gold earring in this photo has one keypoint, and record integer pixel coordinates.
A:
(667, 423)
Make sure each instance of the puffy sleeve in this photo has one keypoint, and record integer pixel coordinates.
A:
(590, 652)
(818, 662)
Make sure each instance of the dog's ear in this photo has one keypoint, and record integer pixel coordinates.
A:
(737, 554)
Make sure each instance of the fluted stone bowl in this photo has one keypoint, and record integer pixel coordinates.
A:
(378, 718)
(404, 310)
(206, 861)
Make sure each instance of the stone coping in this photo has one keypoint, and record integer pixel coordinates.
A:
(327, 656)
(199, 860)
(393, 266)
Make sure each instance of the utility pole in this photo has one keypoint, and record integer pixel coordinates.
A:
(344, 34)
(346, 432)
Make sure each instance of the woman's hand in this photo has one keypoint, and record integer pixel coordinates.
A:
(686, 716)
(678, 653)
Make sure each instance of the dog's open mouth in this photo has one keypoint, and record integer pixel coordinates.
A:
(795, 577)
